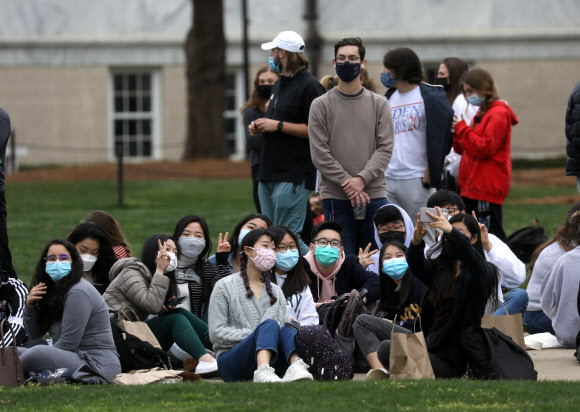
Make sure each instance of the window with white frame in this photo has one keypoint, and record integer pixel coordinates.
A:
(232, 117)
(135, 112)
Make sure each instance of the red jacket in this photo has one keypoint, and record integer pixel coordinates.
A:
(485, 170)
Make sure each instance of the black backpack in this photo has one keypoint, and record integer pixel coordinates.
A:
(493, 355)
(525, 241)
(136, 354)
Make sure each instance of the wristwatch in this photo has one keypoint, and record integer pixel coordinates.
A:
(280, 125)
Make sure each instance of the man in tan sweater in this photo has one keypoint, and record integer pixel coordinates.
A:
(351, 142)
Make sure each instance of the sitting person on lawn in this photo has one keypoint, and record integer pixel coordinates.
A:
(401, 296)
(331, 272)
(247, 314)
(511, 270)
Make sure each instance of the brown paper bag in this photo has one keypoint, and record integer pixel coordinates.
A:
(10, 368)
(409, 358)
(511, 325)
(136, 327)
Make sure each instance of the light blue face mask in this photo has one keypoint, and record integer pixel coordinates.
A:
(476, 100)
(273, 65)
(243, 233)
(287, 260)
(58, 270)
(395, 268)
(326, 255)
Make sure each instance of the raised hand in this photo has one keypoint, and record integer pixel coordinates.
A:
(440, 222)
(223, 244)
(365, 257)
(420, 232)
(485, 242)
(163, 258)
(36, 294)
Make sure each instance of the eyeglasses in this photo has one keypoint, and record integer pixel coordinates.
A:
(351, 59)
(394, 228)
(452, 211)
(284, 248)
(52, 258)
(325, 242)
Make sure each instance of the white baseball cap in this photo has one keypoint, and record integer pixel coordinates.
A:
(286, 40)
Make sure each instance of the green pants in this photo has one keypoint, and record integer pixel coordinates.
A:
(182, 327)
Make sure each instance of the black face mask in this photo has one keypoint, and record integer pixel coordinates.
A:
(391, 235)
(264, 90)
(443, 82)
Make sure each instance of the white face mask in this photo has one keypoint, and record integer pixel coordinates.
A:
(88, 262)
(172, 262)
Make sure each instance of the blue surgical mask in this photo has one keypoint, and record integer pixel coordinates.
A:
(287, 260)
(243, 233)
(388, 80)
(395, 268)
(273, 65)
(476, 100)
(326, 255)
(58, 270)
(347, 71)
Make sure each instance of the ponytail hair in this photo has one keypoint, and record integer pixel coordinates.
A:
(250, 240)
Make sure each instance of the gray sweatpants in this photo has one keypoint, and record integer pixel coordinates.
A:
(411, 196)
(370, 331)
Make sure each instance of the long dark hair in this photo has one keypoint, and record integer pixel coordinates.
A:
(391, 301)
(445, 259)
(297, 279)
(51, 306)
(236, 233)
(106, 258)
(179, 228)
(456, 68)
(149, 256)
(250, 240)
(111, 228)
(568, 236)
(255, 99)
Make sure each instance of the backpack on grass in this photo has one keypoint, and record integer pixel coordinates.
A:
(136, 354)
(525, 241)
(317, 348)
(494, 355)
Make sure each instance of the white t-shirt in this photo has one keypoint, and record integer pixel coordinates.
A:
(409, 158)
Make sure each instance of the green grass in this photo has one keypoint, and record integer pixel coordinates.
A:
(450, 395)
(38, 212)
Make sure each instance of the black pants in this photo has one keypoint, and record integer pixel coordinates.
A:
(441, 368)
(370, 331)
(490, 214)
(255, 188)
(5, 256)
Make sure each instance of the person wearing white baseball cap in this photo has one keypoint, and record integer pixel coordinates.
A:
(286, 174)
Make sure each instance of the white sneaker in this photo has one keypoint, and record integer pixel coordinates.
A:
(206, 368)
(378, 374)
(298, 371)
(265, 374)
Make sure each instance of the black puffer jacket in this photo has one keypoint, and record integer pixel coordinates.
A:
(573, 133)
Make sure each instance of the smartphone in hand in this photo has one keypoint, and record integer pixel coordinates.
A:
(425, 218)
(175, 301)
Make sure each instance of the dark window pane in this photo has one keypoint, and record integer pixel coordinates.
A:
(132, 127)
(118, 127)
(133, 149)
(132, 104)
(132, 82)
(230, 81)
(230, 102)
(146, 81)
(146, 125)
(146, 104)
(146, 148)
(231, 126)
(118, 104)
(231, 145)
(118, 80)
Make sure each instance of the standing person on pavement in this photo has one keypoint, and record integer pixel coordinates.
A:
(573, 135)
(351, 141)
(286, 173)
(5, 256)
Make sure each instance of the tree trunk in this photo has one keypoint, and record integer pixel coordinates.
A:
(205, 71)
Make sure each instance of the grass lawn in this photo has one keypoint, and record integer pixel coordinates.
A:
(450, 395)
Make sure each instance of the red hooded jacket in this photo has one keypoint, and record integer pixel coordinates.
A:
(485, 170)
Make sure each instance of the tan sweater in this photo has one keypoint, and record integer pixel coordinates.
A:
(351, 136)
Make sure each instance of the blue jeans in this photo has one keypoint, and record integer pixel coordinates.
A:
(341, 212)
(516, 301)
(285, 204)
(239, 363)
(538, 322)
